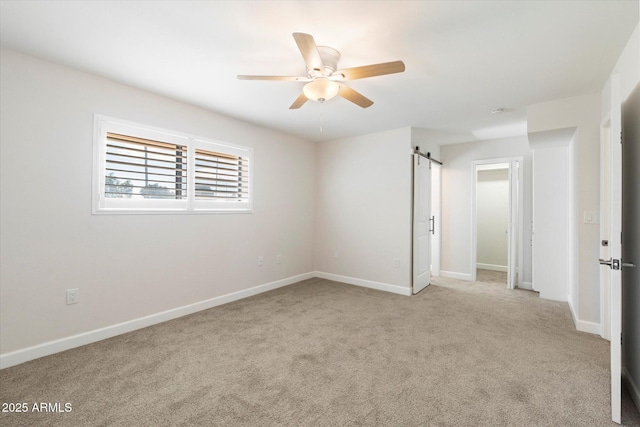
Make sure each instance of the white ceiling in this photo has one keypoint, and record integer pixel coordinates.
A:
(463, 58)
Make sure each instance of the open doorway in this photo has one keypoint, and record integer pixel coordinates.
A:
(492, 213)
(497, 221)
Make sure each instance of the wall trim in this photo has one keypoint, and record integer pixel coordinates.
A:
(455, 275)
(364, 283)
(491, 267)
(526, 285)
(583, 325)
(51, 347)
(632, 387)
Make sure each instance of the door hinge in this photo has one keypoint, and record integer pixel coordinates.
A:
(620, 338)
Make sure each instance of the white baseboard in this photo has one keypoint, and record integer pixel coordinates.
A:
(526, 285)
(364, 283)
(492, 267)
(51, 347)
(454, 275)
(634, 389)
(583, 325)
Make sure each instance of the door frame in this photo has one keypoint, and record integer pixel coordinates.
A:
(518, 248)
(605, 225)
(631, 243)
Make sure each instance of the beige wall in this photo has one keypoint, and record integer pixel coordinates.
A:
(363, 207)
(492, 195)
(582, 112)
(457, 200)
(127, 266)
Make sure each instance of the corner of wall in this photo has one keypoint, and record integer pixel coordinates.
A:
(632, 387)
(583, 325)
(349, 188)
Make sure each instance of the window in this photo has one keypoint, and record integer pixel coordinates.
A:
(141, 169)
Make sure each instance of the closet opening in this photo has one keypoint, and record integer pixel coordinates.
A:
(497, 222)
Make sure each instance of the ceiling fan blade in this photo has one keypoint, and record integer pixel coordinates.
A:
(299, 102)
(371, 70)
(309, 51)
(356, 97)
(287, 78)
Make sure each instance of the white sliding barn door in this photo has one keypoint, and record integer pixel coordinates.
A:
(421, 223)
(436, 217)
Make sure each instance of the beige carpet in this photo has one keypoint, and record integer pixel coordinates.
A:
(320, 353)
(491, 276)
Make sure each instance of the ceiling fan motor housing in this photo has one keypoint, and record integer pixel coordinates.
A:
(330, 58)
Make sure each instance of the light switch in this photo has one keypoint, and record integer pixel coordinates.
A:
(590, 217)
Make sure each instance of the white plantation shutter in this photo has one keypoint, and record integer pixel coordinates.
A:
(221, 177)
(140, 169)
(137, 167)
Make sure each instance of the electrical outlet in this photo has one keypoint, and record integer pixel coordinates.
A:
(396, 263)
(73, 296)
(260, 260)
(278, 259)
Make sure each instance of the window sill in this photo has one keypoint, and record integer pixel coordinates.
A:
(170, 211)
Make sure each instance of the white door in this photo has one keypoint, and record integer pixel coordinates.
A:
(612, 264)
(436, 217)
(631, 241)
(421, 223)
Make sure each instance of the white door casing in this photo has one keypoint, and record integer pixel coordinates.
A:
(605, 228)
(515, 229)
(512, 254)
(631, 244)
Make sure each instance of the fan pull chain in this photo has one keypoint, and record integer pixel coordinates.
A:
(321, 115)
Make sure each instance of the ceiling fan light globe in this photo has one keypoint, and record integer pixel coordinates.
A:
(321, 90)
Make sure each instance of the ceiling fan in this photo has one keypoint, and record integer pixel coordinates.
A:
(324, 80)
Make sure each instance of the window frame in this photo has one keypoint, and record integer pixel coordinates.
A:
(188, 205)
